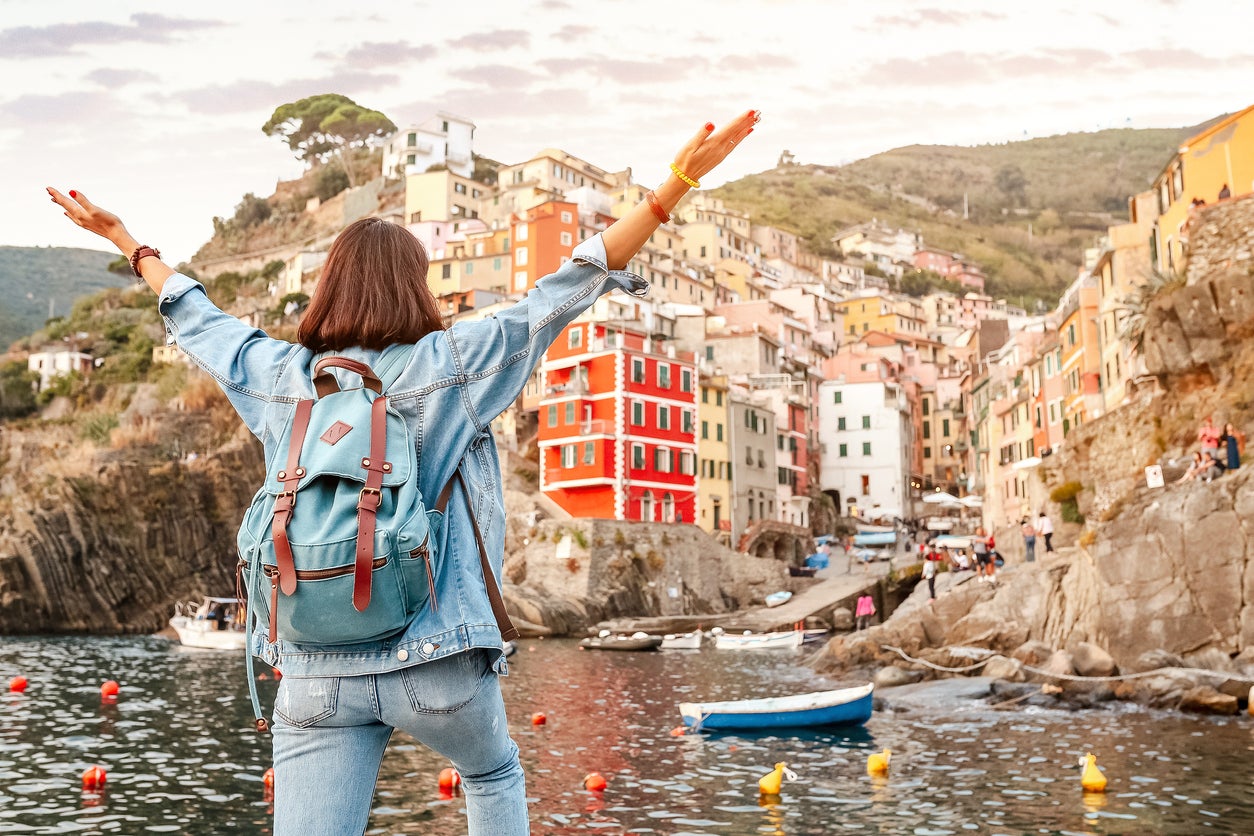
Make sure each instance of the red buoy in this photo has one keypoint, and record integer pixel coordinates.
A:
(449, 778)
(267, 780)
(594, 781)
(94, 778)
(109, 690)
(18, 684)
(678, 731)
(538, 719)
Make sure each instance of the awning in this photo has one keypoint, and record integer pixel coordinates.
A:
(881, 538)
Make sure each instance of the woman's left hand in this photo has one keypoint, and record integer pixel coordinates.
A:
(92, 218)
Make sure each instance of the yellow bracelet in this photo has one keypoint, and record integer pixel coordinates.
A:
(693, 183)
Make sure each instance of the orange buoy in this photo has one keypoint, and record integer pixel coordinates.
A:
(18, 684)
(109, 690)
(538, 719)
(449, 778)
(94, 778)
(594, 781)
(267, 780)
(678, 731)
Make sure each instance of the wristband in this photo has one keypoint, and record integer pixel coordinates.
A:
(693, 183)
(656, 206)
(142, 251)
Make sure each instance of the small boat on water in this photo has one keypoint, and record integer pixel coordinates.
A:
(777, 598)
(214, 624)
(682, 641)
(844, 706)
(814, 635)
(759, 641)
(608, 641)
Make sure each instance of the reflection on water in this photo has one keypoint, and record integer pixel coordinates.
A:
(182, 758)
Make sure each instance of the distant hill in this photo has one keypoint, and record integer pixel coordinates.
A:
(1069, 187)
(32, 277)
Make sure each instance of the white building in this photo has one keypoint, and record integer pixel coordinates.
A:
(444, 139)
(866, 433)
(54, 363)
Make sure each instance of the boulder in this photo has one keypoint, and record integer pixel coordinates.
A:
(1034, 653)
(892, 676)
(1003, 668)
(1210, 659)
(1091, 660)
(1059, 664)
(1206, 700)
(1152, 660)
(841, 618)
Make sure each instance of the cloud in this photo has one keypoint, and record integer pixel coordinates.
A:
(372, 54)
(493, 41)
(60, 39)
(37, 113)
(113, 78)
(498, 75)
(933, 17)
(625, 71)
(254, 95)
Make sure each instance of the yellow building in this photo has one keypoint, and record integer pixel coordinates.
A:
(714, 482)
(1220, 157)
(1122, 266)
(1081, 353)
(882, 312)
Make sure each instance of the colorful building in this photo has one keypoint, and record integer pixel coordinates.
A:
(714, 463)
(617, 425)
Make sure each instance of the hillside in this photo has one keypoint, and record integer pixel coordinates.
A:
(32, 277)
(1068, 187)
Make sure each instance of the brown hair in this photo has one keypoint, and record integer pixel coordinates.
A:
(373, 291)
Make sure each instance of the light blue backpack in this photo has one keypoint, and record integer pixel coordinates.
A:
(335, 548)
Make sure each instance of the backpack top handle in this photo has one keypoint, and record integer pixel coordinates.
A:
(325, 383)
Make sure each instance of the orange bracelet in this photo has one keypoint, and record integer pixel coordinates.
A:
(656, 206)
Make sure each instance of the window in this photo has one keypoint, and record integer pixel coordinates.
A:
(566, 239)
(837, 398)
(568, 456)
(637, 414)
(866, 484)
(687, 464)
(662, 460)
(446, 271)
(718, 398)
(664, 375)
(705, 395)
(411, 139)
(410, 159)
(589, 452)
(866, 422)
(688, 421)
(570, 412)
(567, 217)
(705, 430)
(927, 428)
(520, 280)
(925, 406)
(685, 380)
(574, 337)
(663, 417)
(844, 450)
(522, 232)
(637, 456)
(945, 427)
(927, 452)
(637, 370)
(840, 423)
(866, 448)
(520, 257)
(553, 415)
(459, 188)
(718, 432)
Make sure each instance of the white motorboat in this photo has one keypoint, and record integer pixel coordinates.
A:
(216, 624)
(682, 641)
(760, 641)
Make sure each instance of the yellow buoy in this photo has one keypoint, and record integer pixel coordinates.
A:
(1092, 779)
(770, 783)
(877, 764)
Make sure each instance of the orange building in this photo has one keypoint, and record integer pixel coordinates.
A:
(544, 237)
(617, 425)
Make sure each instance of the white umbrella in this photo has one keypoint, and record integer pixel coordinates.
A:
(939, 497)
(972, 501)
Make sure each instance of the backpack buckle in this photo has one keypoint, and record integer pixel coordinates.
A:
(374, 501)
(285, 501)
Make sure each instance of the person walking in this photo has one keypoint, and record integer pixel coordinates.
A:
(1029, 539)
(1045, 528)
(979, 547)
(864, 610)
(929, 574)
(437, 680)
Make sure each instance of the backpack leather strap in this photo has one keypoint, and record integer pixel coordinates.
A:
(285, 502)
(325, 383)
(508, 631)
(369, 501)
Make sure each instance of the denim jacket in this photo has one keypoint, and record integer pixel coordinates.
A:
(455, 383)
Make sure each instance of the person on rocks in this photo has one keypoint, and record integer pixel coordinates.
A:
(979, 548)
(1045, 529)
(1231, 445)
(864, 610)
(336, 711)
(930, 566)
(1212, 467)
(990, 565)
(1225, 192)
(1200, 462)
(1029, 539)
(1208, 437)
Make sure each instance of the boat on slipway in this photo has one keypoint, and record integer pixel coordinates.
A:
(760, 641)
(214, 624)
(682, 641)
(843, 706)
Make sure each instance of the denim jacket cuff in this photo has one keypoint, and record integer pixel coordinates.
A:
(174, 288)
(592, 251)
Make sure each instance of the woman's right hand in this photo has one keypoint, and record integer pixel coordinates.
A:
(711, 146)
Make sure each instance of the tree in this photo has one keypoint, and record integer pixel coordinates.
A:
(326, 127)
(1012, 182)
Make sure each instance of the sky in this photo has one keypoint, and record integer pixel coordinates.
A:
(154, 110)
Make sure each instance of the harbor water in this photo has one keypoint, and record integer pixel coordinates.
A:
(181, 756)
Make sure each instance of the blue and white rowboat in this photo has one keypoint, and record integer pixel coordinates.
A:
(845, 706)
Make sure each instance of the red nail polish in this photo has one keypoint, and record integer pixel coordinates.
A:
(709, 126)
(73, 193)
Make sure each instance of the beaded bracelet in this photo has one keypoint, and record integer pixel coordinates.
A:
(142, 251)
(693, 183)
(656, 206)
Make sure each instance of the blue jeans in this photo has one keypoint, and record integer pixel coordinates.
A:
(1029, 544)
(330, 733)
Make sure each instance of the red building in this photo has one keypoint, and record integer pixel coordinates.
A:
(617, 425)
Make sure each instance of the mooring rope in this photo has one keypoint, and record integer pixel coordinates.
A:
(1041, 672)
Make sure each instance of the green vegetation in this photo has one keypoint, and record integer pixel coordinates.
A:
(328, 127)
(1065, 495)
(34, 280)
(1032, 207)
